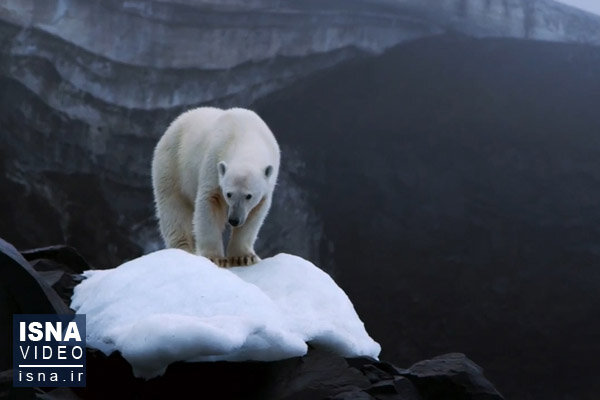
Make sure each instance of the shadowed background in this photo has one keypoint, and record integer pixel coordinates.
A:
(441, 161)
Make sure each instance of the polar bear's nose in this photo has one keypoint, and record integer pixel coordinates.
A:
(234, 221)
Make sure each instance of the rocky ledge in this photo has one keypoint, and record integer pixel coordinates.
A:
(45, 279)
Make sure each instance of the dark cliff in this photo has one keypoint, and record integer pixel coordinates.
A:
(86, 88)
(459, 186)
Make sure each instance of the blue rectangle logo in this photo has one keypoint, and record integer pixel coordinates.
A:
(48, 350)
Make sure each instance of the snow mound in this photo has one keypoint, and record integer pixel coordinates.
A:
(174, 306)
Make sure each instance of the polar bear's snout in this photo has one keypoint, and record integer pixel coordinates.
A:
(236, 215)
(233, 221)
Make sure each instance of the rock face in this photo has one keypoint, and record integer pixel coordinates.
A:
(87, 88)
(460, 183)
(163, 55)
(317, 375)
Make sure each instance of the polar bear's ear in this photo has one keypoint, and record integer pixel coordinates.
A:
(222, 168)
(268, 171)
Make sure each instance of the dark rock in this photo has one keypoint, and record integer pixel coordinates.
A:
(383, 389)
(59, 266)
(387, 385)
(374, 374)
(57, 394)
(37, 281)
(6, 387)
(22, 291)
(406, 389)
(451, 376)
(390, 368)
(8, 392)
(318, 375)
(65, 256)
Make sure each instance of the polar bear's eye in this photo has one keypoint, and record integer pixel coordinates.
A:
(248, 196)
(228, 195)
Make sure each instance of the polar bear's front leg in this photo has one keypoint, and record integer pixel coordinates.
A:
(175, 220)
(240, 250)
(209, 222)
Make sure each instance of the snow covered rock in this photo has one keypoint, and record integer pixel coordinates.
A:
(174, 306)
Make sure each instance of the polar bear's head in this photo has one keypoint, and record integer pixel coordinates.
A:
(243, 188)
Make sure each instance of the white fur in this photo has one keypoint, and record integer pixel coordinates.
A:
(190, 193)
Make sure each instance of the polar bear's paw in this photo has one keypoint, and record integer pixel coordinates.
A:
(235, 261)
(243, 261)
(222, 262)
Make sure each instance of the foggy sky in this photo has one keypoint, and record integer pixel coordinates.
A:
(588, 5)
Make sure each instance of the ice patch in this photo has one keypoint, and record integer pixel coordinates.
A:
(174, 306)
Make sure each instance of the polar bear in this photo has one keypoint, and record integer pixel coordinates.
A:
(211, 167)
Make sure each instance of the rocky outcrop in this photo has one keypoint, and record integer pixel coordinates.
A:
(87, 88)
(22, 291)
(317, 375)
